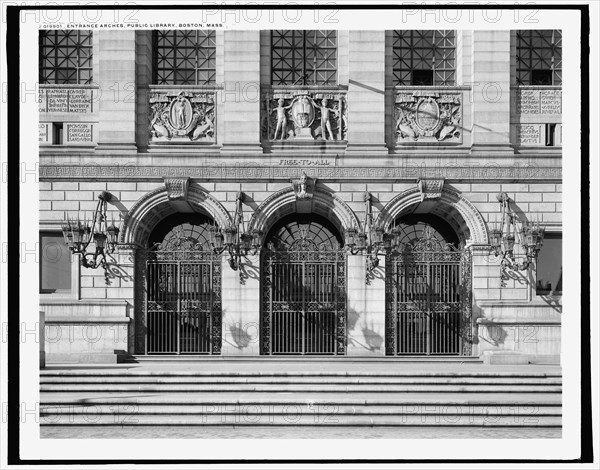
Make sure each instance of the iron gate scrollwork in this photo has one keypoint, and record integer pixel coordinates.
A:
(183, 294)
(428, 290)
(303, 293)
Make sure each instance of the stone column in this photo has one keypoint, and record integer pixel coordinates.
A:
(366, 92)
(491, 91)
(366, 308)
(117, 81)
(241, 307)
(240, 97)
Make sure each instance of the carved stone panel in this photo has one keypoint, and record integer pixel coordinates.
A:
(304, 187)
(430, 188)
(182, 117)
(296, 115)
(428, 117)
(176, 188)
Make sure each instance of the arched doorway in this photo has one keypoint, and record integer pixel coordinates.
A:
(428, 288)
(303, 288)
(183, 287)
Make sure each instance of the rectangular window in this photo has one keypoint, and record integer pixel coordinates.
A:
(65, 57)
(539, 57)
(184, 57)
(55, 264)
(549, 265)
(424, 58)
(303, 57)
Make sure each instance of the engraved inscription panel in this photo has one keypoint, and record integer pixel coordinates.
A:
(79, 132)
(43, 133)
(539, 102)
(66, 100)
(529, 134)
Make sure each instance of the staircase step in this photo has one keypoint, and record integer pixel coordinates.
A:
(302, 380)
(356, 399)
(324, 387)
(233, 431)
(298, 419)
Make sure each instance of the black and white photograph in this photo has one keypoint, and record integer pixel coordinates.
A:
(299, 234)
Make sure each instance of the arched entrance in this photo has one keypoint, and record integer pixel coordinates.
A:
(428, 295)
(303, 287)
(183, 287)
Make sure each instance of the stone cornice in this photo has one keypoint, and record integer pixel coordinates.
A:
(522, 173)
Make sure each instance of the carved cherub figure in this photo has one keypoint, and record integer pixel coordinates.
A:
(281, 118)
(325, 119)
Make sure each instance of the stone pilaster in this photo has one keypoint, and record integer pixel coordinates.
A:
(240, 96)
(241, 307)
(366, 308)
(491, 91)
(366, 92)
(117, 81)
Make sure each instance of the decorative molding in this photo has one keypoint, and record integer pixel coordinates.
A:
(304, 187)
(494, 172)
(323, 202)
(295, 114)
(450, 201)
(155, 205)
(182, 116)
(428, 116)
(176, 188)
(430, 188)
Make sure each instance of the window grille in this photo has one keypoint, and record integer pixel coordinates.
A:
(303, 57)
(184, 57)
(424, 58)
(65, 57)
(539, 57)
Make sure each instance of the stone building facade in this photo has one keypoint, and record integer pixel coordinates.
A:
(358, 175)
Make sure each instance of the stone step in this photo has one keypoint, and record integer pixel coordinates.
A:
(321, 387)
(298, 419)
(300, 380)
(304, 398)
(291, 359)
(145, 372)
(252, 409)
(232, 431)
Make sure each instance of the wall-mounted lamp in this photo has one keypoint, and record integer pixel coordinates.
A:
(79, 233)
(502, 240)
(371, 241)
(234, 239)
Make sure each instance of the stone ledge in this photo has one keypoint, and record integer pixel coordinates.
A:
(84, 320)
(519, 321)
(84, 358)
(513, 357)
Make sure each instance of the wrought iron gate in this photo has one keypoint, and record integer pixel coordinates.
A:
(303, 296)
(183, 298)
(428, 301)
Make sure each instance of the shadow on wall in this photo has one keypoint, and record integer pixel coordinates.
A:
(239, 333)
(489, 333)
(248, 271)
(373, 340)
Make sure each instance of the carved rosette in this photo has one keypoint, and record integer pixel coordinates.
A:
(295, 115)
(428, 117)
(181, 116)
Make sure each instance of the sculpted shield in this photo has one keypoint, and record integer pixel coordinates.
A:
(303, 112)
(427, 114)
